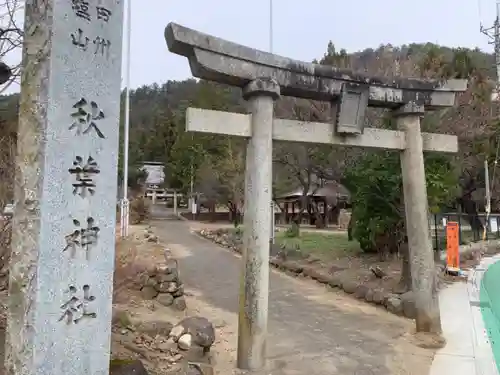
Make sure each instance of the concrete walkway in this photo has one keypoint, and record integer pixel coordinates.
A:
(468, 351)
(311, 330)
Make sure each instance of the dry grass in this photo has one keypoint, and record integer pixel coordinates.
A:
(140, 210)
(5, 246)
(7, 172)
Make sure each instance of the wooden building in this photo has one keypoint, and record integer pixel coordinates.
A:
(322, 204)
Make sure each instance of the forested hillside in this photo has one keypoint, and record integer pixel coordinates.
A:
(157, 134)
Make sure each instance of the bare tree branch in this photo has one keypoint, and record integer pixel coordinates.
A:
(11, 38)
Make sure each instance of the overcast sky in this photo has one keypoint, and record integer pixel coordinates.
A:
(302, 29)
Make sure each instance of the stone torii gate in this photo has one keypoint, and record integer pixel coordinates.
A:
(264, 77)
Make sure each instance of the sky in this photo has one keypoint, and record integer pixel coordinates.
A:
(302, 29)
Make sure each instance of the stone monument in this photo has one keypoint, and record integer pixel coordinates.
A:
(63, 245)
(264, 77)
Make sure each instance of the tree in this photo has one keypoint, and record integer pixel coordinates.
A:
(473, 122)
(8, 139)
(375, 184)
(10, 43)
(189, 151)
(379, 223)
(301, 163)
(222, 176)
(11, 36)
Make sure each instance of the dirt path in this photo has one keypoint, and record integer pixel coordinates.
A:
(311, 330)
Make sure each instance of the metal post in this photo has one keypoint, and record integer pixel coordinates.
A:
(436, 233)
(254, 290)
(175, 202)
(416, 207)
(460, 225)
(124, 207)
(273, 224)
(496, 39)
(487, 200)
(191, 182)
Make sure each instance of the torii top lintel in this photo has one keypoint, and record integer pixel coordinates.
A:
(226, 62)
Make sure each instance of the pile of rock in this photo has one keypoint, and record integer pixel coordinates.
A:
(224, 238)
(162, 283)
(150, 236)
(183, 348)
(403, 304)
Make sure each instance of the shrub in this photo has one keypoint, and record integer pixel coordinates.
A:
(375, 184)
(293, 231)
(238, 231)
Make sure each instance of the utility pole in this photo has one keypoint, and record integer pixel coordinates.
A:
(124, 204)
(271, 40)
(488, 198)
(493, 34)
(271, 26)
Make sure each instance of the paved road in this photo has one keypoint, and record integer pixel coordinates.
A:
(306, 336)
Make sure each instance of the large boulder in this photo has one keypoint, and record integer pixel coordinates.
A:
(165, 299)
(349, 286)
(394, 305)
(409, 309)
(179, 303)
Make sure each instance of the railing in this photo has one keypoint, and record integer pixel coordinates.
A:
(471, 228)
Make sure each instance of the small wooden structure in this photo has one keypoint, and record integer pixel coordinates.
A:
(324, 202)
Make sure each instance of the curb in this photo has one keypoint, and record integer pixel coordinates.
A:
(484, 358)
(180, 217)
(468, 349)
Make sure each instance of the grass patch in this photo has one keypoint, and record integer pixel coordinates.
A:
(324, 245)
